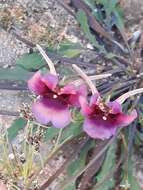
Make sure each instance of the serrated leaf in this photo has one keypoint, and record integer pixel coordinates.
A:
(17, 125)
(108, 165)
(15, 74)
(31, 62)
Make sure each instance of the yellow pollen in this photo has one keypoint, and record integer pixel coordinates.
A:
(55, 96)
(110, 111)
(104, 118)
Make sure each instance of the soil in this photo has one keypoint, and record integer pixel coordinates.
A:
(133, 10)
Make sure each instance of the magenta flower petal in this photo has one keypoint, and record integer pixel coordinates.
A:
(115, 107)
(102, 120)
(36, 85)
(50, 81)
(85, 108)
(41, 112)
(82, 89)
(95, 99)
(80, 92)
(61, 118)
(3, 186)
(68, 89)
(97, 128)
(124, 119)
(51, 110)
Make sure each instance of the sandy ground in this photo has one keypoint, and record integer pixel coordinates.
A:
(35, 20)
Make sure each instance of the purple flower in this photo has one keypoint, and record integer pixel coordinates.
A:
(102, 120)
(54, 100)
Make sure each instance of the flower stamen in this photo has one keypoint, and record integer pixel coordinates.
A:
(55, 96)
(104, 118)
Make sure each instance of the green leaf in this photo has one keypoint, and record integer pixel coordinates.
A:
(73, 130)
(17, 125)
(66, 72)
(69, 49)
(79, 163)
(50, 133)
(108, 166)
(138, 138)
(82, 19)
(132, 180)
(15, 74)
(31, 62)
(119, 21)
(133, 183)
(68, 45)
(129, 181)
(90, 3)
(70, 187)
(110, 55)
(109, 5)
(71, 53)
(34, 61)
(95, 11)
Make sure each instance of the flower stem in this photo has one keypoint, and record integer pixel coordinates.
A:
(51, 154)
(48, 60)
(94, 77)
(122, 98)
(86, 79)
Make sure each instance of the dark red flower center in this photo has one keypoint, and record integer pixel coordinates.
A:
(62, 98)
(103, 111)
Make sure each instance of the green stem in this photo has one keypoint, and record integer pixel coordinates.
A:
(56, 148)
